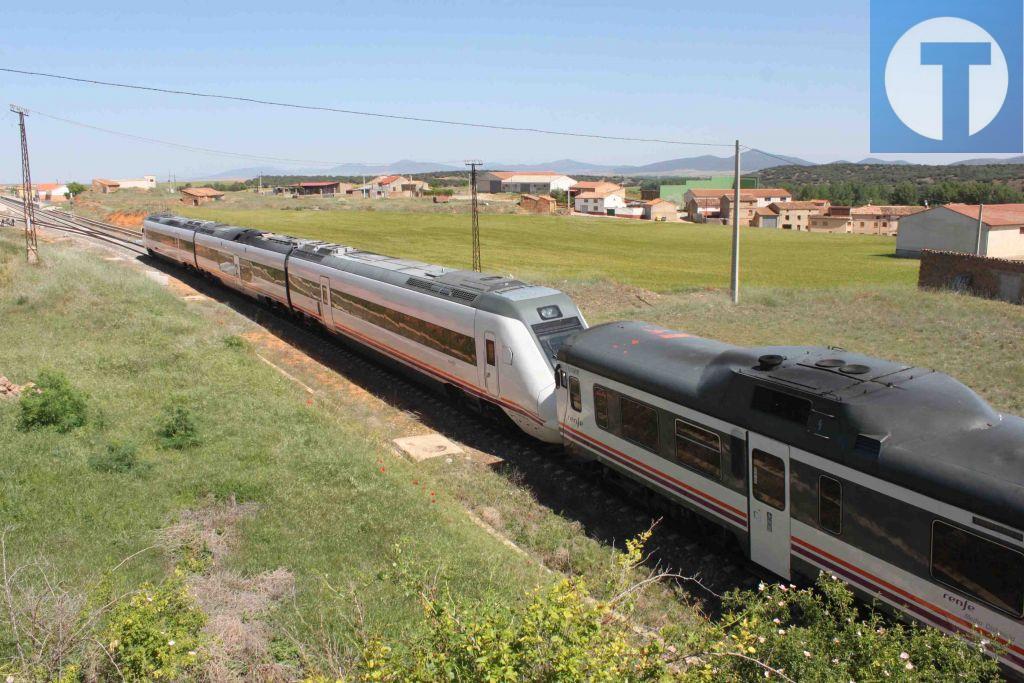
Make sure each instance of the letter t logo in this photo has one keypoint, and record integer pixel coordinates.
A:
(956, 60)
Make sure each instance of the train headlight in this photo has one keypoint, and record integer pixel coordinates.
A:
(549, 312)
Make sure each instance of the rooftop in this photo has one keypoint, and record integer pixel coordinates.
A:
(994, 215)
(201, 192)
(871, 210)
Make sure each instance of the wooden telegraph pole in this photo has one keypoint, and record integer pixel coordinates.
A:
(736, 231)
(29, 205)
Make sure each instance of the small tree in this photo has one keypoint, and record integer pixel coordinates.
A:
(75, 189)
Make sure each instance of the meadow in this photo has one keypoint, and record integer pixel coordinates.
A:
(663, 257)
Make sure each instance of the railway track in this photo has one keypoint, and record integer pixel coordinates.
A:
(65, 222)
(605, 510)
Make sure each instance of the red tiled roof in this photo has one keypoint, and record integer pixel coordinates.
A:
(201, 192)
(766, 211)
(658, 200)
(386, 180)
(796, 206)
(108, 183)
(871, 210)
(995, 215)
(48, 186)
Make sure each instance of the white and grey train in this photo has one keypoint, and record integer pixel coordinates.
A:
(490, 337)
(899, 480)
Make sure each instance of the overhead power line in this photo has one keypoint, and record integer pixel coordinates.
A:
(191, 148)
(354, 112)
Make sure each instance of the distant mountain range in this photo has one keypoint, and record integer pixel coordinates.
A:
(752, 162)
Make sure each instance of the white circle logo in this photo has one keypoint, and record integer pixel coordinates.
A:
(915, 89)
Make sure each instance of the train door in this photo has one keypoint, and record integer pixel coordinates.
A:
(769, 504)
(491, 364)
(326, 312)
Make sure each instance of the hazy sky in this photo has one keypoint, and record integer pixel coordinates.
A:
(786, 77)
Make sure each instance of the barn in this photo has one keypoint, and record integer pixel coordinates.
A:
(954, 227)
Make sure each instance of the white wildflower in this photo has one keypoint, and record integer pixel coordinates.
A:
(171, 643)
(910, 667)
(761, 586)
(776, 621)
(761, 639)
(807, 654)
(782, 631)
(835, 660)
(782, 588)
(904, 656)
(10, 679)
(782, 603)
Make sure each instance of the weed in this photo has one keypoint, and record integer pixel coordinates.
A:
(154, 635)
(178, 430)
(53, 402)
(117, 458)
(235, 342)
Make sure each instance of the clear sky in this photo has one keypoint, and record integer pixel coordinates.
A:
(791, 78)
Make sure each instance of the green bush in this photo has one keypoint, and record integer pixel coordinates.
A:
(559, 635)
(819, 634)
(154, 634)
(118, 458)
(775, 633)
(178, 430)
(53, 402)
(235, 342)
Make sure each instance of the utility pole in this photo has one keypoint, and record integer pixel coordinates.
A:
(476, 213)
(29, 204)
(981, 228)
(736, 231)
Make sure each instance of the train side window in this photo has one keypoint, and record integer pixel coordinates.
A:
(769, 479)
(575, 399)
(830, 504)
(601, 408)
(991, 572)
(699, 449)
(489, 348)
(639, 423)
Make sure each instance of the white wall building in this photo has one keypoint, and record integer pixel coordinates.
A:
(954, 227)
(146, 182)
(524, 182)
(599, 202)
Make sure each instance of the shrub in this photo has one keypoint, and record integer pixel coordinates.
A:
(179, 429)
(53, 402)
(154, 634)
(560, 634)
(118, 458)
(820, 635)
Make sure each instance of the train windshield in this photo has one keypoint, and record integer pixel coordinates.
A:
(552, 335)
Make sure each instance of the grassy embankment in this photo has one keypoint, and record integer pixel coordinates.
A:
(331, 503)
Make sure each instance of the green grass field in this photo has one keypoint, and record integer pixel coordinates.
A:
(332, 505)
(657, 256)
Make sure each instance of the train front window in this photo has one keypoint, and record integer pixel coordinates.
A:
(991, 572)
(553, 335)
(575, 398)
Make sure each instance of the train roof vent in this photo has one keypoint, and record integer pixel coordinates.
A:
(868, 446)
(464, 295)
(442, 289)
(831, 363)
(770, 361)
(855, 369)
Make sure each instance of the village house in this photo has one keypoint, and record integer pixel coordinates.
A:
(765, 218)
(200, 195)
(863, 220)
(797, 215)
(660, 210)
(533, 203)
(880, 220)
(106, 186)
(701, 204)
(390, 186)
(326, 188)
(523, 182)
(596, 186)
(45, 192)
(954, 227)
(605, 202)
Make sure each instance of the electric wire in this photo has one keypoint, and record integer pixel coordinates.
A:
(355, 112)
